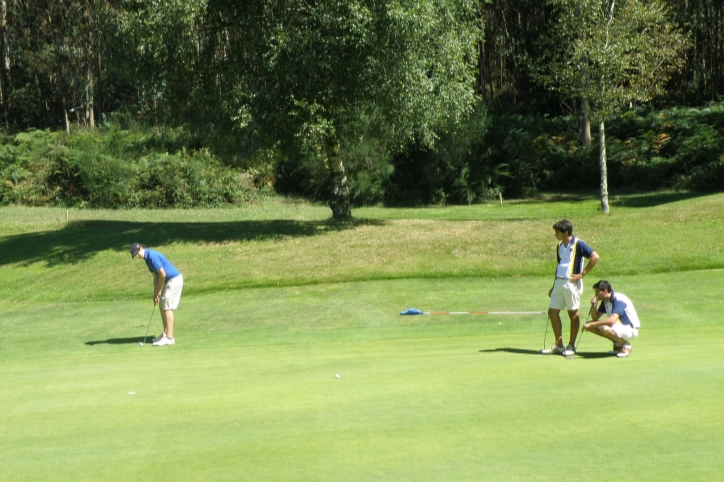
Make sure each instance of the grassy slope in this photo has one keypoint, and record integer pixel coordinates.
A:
(250, 389)
(297, 245)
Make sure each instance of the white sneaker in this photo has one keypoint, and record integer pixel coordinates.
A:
(158, 338)
(625, 351)
(616, 349)
(554, 350)
(570, 351)
(164, 341)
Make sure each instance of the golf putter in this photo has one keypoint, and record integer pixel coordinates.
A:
(141, 343)
(581, 335)
(548, 322)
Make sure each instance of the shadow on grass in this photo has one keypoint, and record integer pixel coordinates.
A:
(632, 200)
(523, 351)
(81, 240)
(593, 355)
(653, 199)
(559, 198)
(118, 341)
(517, 351)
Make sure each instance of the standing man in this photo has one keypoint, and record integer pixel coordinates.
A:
(568, 287)
(621, 324)
(167, 286)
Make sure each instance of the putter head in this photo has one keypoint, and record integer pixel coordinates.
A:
(140, 343)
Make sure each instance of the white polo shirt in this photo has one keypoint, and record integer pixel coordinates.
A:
(570, 257)
(622, 306)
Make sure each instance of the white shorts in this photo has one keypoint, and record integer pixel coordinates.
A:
(171, 293)
(627, 332)
(566, 294)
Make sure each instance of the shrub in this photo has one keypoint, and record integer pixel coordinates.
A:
(115, 168)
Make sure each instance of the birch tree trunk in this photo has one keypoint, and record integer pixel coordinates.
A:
(339, 197)
(90, 52)
(585, 111)
(585, 123)
(481, 57)
(99, 77)
(89, 107)
(66, 121)
(5, 58)
(604, 172)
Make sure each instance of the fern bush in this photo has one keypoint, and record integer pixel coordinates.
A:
(113, 169)
(126, 163)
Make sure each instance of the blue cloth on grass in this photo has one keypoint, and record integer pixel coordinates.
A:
(411, 311)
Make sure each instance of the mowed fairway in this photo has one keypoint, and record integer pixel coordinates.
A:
(278, 300)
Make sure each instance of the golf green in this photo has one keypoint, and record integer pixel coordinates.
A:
(249, 391)
(279, 299)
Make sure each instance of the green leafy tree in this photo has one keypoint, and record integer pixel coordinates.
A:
(310, 78)
(407, 66)
(612, 54)
(55, 48)
(168, 43)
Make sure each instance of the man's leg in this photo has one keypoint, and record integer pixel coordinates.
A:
(170, 297)
(575, 325)
(608, 333)
(555, 317)
(167, 317)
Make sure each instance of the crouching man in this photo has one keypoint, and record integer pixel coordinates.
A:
(615, 319)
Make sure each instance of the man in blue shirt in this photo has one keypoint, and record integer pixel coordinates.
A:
(167, 286)
(621, 322)
(568, 287)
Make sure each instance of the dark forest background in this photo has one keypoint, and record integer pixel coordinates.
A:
(140, 103)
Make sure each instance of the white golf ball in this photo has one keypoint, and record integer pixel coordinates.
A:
(337, 375)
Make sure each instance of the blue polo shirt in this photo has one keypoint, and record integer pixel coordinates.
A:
(155, 261)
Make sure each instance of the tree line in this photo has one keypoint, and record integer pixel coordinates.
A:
(514, 30)
(317, 96)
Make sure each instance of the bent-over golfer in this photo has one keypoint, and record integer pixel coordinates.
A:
(167, 286)
(568, 287)
(621, 323)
